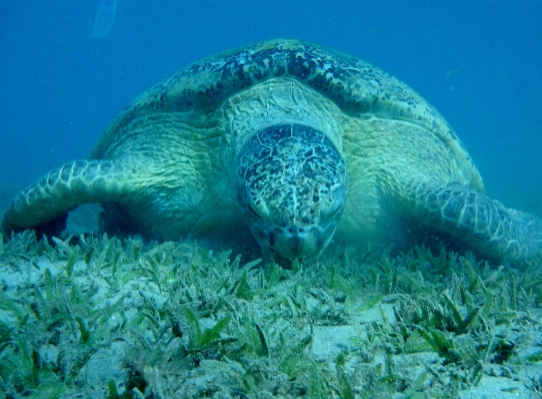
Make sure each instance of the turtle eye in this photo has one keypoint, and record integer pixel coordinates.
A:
(331, 207)
(272, 239)
(253, 212)
(257, 207)
(330, 210)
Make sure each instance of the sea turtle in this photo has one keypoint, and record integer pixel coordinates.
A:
(299, 142)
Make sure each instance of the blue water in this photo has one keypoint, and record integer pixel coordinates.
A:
(478, 63)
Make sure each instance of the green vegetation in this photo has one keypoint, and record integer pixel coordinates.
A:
(104, 317)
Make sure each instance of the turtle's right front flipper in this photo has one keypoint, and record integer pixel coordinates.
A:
(47, 202)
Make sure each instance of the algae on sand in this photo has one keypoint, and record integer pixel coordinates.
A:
(111, 318)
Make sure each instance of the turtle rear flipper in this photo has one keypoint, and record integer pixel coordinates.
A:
(44, 205)
(490, 228)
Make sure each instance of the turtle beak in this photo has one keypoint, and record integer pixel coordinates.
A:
(300, 242)
(296, 242)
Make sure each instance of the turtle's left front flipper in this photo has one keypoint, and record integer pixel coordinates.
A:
(504, 234)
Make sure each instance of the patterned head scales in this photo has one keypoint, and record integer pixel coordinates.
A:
(292, 183)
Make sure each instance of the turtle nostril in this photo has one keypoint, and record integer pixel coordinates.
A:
(296, 230)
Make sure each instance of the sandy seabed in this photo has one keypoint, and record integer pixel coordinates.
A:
(96, 317)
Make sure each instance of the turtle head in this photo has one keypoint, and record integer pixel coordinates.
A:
(292, 184)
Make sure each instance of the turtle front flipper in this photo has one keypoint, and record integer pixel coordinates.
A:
(500, 233)
(43, 206)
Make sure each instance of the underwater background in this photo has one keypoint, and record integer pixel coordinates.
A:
(107, 317)
(478, 62)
